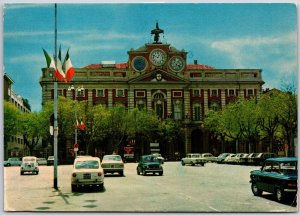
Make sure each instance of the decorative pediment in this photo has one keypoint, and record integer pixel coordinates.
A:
(158, 76)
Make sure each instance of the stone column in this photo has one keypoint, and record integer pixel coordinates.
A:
(187, 103)
(149, 107)
(169, 102)
(90, 97)
(205, 101)
(110, 98)
(130, 99)
(223, 99)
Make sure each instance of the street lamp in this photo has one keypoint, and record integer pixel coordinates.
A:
(78, 89)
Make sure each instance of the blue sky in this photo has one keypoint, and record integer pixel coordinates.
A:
(225, 36)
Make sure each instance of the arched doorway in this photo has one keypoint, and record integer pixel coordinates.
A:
(158, 99)
(197, 141)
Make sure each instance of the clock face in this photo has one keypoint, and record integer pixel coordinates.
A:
(176, 64)
(139, 63)
(158, 57)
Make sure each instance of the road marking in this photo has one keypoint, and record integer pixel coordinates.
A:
(213, 208)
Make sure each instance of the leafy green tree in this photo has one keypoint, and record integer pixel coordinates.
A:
(30, 127)
(287, 116)
(11, 118)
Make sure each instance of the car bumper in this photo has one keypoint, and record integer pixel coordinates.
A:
(113, 170)
(290, 190)
(153, 170)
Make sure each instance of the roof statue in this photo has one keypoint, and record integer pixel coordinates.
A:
(156, 33)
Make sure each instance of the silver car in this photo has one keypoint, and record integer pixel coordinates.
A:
(29, 165)
(87, 171)
(112, 164)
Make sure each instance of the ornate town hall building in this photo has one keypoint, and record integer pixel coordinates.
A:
(157, 77)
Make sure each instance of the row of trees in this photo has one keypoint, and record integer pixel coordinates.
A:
(273, 118)
(105, 127)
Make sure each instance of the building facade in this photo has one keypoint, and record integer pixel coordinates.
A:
(157, 77)
(15, 146)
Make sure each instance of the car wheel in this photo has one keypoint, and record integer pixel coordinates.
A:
(121, 173)
(137, 172)
(73, 188)
(161, 173)
(202, 164)
(22, 173)
(182, 163)
(192, 164)
(255, 190)
(279, 194)
(144, 172)
(101, 187)
(37, 173)
(8, 164)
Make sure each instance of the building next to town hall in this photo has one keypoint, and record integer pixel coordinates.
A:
(157, 77)
(15, 146)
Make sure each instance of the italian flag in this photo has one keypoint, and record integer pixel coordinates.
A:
(70, 72)
(50, 61)
(58, 72)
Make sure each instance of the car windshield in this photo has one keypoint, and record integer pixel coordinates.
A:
(89, 164)
(112, 158)
(150, 159)
(29, 159)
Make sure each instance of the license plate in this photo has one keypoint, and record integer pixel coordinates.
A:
(86, 176)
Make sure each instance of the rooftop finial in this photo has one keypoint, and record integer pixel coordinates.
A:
(156, 33)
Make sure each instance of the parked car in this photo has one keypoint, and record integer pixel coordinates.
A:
(239, 158)
(149, 164)
(209, 157)
(193, 159)
(87, 171)
(278, 176)
(260, 158)
(159, 157)
(42, 161)
(14, 161)
(112, 164)
(242, 159)
(29, 165)
(50, 161)
(229, 159)
(249, 158)
(221, 157)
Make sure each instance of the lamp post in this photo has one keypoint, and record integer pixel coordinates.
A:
(78, 89)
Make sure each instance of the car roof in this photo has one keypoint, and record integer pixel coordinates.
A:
(283, 159)
(81, 158)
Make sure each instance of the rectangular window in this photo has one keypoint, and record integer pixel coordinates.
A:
(214, 92)
(120, 93)
(196, 93)
(231, 92)
(177, 94)
(197, 113)
(177, 112)
(59, 92)
(80, 93)
(100, 93)
(140, 94)
(250, 92)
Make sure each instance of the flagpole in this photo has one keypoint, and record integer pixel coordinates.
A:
(55, 106)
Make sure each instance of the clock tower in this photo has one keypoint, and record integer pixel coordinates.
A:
(156, 55)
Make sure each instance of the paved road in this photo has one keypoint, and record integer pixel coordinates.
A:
(212, 188)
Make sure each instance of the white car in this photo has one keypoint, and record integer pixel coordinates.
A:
(230, 158)
(112, 164)
(159, 157)
(42, 161)
(13, 162)
(193, 159)
(29, 164)
(87, 171)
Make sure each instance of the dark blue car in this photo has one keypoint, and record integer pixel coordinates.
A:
(278, 176)
(149, 164)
